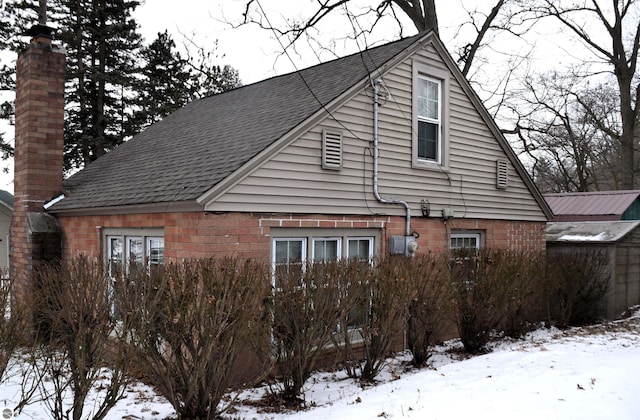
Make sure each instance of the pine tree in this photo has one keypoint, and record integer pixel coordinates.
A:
(169, 80)
(115, 87)
(166, 83)
(102, 43)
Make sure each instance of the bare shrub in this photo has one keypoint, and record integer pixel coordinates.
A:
(10, 325)
(376, 319)
(428, 302)
(308, 304)
(480, 294)
(190, 322)
(524, 279)
(80, 347)
(577, 283)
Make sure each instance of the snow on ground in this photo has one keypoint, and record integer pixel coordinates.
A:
(581, 373)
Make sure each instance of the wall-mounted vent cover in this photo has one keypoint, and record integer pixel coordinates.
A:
(502, 174)
(331, 150)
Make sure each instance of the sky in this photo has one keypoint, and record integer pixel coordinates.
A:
(255, 52)
(589, 373)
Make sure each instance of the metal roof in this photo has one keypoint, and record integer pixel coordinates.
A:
(589, 232)
(599, 205)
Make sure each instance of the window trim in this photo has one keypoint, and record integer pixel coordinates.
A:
(423, 71)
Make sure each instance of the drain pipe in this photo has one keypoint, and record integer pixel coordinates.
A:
(376, 193)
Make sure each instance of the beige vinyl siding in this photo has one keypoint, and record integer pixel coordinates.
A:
(294, 180)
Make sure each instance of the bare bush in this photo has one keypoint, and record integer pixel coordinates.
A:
(428, 302)
(481, 295)
(190, 322)
(80, 347)
(577, 283)
(366, 333)
(524, 280)
(10, 326)
(307, 306)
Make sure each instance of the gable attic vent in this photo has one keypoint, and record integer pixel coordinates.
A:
(502, 174)
(331, 150)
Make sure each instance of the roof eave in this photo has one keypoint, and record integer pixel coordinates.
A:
(163, 207)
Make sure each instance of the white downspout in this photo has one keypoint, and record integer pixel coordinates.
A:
(376, 193)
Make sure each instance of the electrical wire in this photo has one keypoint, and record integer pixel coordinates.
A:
(302, 77)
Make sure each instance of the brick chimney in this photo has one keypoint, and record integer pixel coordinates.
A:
(39, 141)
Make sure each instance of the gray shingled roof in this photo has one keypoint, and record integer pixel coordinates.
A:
(597, 205)
(6, 198)
(194, 148)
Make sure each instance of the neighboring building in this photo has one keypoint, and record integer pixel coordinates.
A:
(599, 205)
(620, 241)
(361, 156)
(604, 221)
(6, 212)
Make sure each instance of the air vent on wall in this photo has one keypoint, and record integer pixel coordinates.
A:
(331, 150)
(502, 174)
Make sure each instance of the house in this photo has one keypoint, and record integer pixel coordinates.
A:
(6, 212)
(387, 151)
(597, 205)
(620, 241)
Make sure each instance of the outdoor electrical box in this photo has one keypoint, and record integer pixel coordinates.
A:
(403, 245)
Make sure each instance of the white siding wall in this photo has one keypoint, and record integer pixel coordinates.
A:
(294, 180)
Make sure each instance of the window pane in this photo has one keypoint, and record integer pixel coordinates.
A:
(325, 249)
(288, 251)
(359, 249)
(461, 241)
(427, 140)
(155, 253)
(115, 252)
(288, 260)
(428, 99)
(134, 254)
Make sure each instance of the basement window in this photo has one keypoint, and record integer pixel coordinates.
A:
(465, 240)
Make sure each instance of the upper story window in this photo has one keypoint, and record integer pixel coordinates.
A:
(430, 130)
(429, 119)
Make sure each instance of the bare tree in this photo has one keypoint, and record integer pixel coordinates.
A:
(408, 15)
(557, 132)
(610, 30)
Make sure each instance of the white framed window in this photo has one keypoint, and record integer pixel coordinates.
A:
(288, 255)
(326, 249)
(360, 248)
(465, 240)
(430, 117)
(128, 251)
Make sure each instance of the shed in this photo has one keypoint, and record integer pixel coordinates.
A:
(597, 205)
(620, 240)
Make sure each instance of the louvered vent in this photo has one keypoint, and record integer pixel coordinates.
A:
(331, 150)
(502, 174)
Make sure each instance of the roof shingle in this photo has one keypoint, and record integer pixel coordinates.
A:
(182, 156)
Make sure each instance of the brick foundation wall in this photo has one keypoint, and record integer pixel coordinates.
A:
(197, 235)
